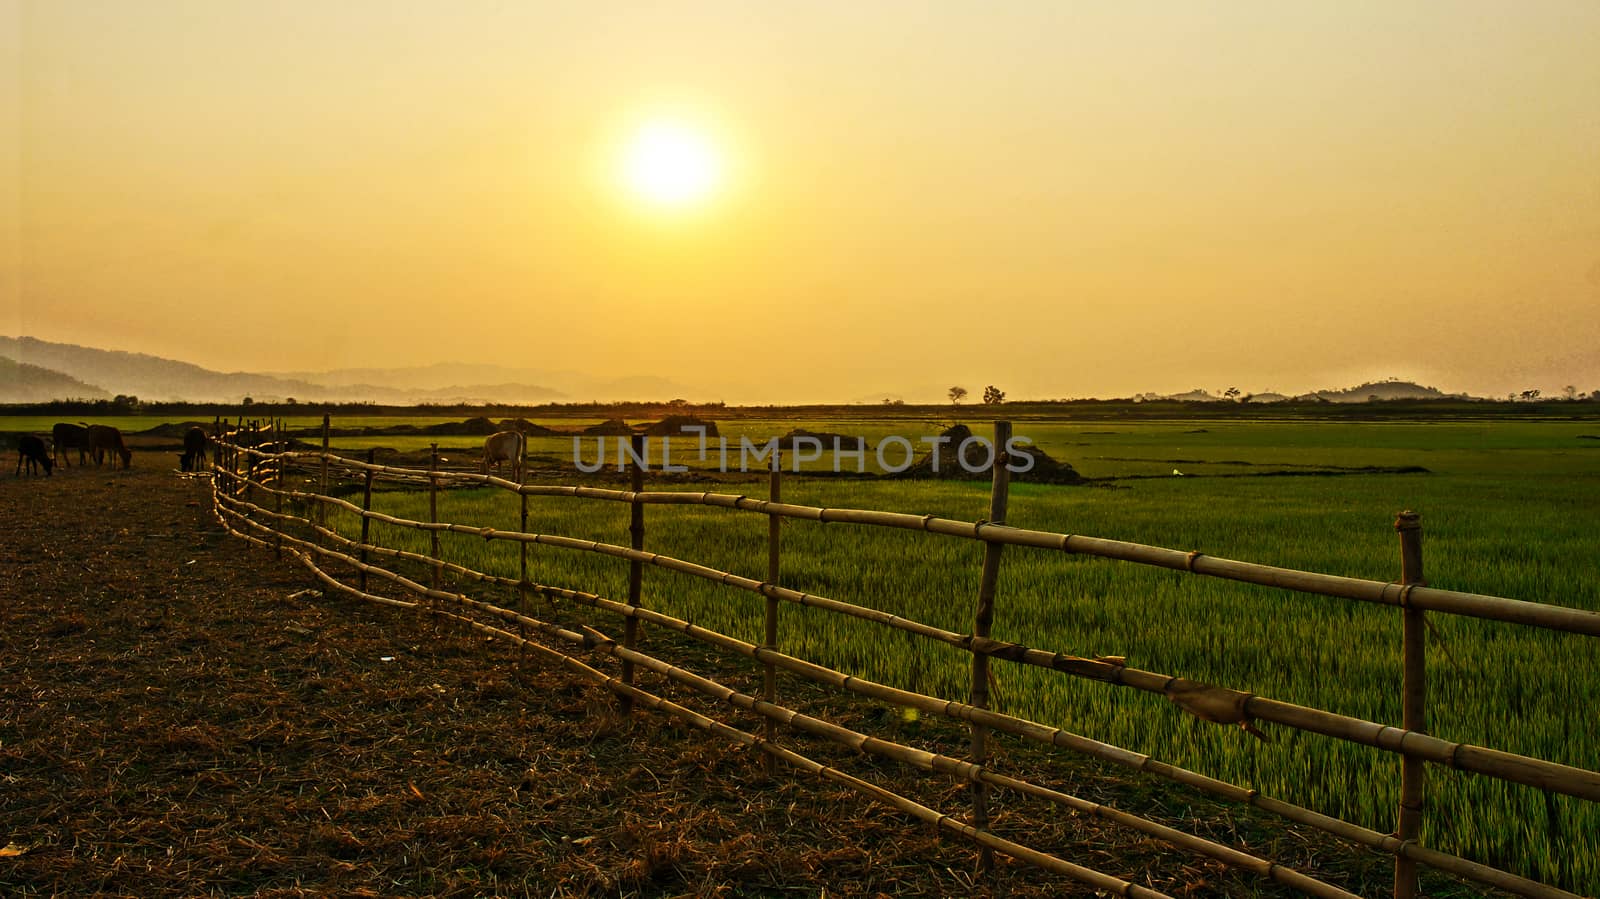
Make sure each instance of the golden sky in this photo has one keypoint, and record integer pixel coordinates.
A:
(1060, 198)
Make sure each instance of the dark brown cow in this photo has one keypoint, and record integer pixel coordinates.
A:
(32, 450)
(67, 437)
(194, 450)
(104, 438)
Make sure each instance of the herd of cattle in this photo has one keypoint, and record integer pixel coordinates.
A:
(96, 441)
(99, 441)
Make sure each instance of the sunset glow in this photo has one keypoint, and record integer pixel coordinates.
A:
(1139, 202)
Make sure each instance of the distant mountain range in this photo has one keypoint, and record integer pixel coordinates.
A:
(24, 383)
(1371, 391)
(34, 371)
(39, 370)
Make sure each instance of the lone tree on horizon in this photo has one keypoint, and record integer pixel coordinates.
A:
(957, 394)
(993, 396)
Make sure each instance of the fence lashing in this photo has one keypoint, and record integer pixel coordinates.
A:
(1410, 742)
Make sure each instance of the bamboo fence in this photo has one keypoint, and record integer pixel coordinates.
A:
(243, 473)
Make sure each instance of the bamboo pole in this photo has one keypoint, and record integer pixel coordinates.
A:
(769, 677)
(433, 507)
(1475, 605)
(1413, 770)
(366, 521)
(630, 630)
(323, 486)
(1504, 765)
(241, 465)
(436, 570)
(982, 625)
(1226, 791)
(522, 549)
(1057, 737)
(277, 495)
(987, 841)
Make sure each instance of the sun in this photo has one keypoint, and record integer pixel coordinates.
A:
(671, 164)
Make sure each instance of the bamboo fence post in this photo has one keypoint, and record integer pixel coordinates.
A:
(366, 523)
(522, 546)
(239, 461)
(322, 510)
(769, 678)
(433, 511)
(630, 629)
(248, 463)
(982, 624)
(1413, 774)
(216, 444)
(278, 482)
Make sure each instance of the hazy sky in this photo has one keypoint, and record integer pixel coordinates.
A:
(1063, 199)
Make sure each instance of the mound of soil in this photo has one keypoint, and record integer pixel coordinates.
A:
(673, 425)
(828, 439)
(948, 460)
(473, 427)
(524, 426)
(613, 427)
(175, 430)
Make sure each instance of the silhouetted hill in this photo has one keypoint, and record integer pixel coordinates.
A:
(490, 382)
(1381, 390)
(1361, 393)
(150, 377)
(21, 382)
(153, 378)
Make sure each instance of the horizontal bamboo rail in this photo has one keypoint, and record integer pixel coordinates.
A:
(1206, 701)
(594, 640)
(820, 674)
(1473, 605)
(947, 708)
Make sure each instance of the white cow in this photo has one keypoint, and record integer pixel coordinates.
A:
(505, 446)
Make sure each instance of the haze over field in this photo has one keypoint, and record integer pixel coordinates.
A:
(815, 202)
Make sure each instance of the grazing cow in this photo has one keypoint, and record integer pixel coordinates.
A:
(505, 446)
(194, 450)
(32, 450)
(104, 438)
(67, 437)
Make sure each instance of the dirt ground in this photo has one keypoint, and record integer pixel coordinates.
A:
(179, 715)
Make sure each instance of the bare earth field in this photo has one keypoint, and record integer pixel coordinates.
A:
(177, 718)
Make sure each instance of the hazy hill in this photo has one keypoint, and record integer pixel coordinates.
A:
(39, 370)
(21, 382)
(1381, 390)
(1361, 393)
(500, 383)
(156, 379)
(150, 377)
